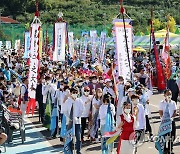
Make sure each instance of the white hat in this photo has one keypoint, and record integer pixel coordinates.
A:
(107, 80)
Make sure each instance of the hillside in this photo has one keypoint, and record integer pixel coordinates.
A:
(91, 13)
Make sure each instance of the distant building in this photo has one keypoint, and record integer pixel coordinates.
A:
(8, 20)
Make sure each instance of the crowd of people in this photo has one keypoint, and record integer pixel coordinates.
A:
(82, 85)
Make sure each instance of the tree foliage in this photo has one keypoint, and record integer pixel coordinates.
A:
(94, 13)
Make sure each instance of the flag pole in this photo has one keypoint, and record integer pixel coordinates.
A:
(127, 49)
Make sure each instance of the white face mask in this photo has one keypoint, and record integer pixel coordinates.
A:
(168, 98)
(94, 81)
(86, 93)
(87, 81)
(101, 81)
(127, 110)
(110, 84)
(62, 87)
(136, 102)
(74, 96)
(67, 91)
(80, 84)
(71, 78)
(48, 82)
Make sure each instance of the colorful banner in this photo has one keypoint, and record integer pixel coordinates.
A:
(17, 45)
(102, 46)
(164, 128)
(93, 35)
(26, 44)
(34, 59)
(122, 61)
(59, 44)
(8, 44)
(159, 70)
(71, 43)
(1, 44)
(83, 46)
(41, 43)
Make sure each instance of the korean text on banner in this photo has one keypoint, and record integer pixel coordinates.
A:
(71, 43)
(34, 61)
(121, 50)
(59, 45)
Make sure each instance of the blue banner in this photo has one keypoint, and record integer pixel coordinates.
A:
(26, 44)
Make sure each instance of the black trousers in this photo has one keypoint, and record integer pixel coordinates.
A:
(148, 126)
(83, 125)
(172, 136)
(40, 111)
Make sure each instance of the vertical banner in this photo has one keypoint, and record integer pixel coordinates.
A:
(83, 46)
(59, 41)
(93, 35)
(26, 44)
(71, 43)
(102, 46)
(17, 45)
(41, 43)
(1, 44)
(34, 59)
(121, 50)
(8, 44)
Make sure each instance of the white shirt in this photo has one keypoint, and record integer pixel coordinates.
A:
(141, 117)
(48, 88)
(109, 90)
(78, 109)
(172, 107)
(97, 102)
(103, 113)
(87, 104)
(60, 95)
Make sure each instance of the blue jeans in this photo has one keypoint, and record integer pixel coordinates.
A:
(78, 138)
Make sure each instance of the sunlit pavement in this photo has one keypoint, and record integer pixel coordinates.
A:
(36, 137)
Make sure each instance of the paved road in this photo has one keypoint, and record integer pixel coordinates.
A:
(36, 141)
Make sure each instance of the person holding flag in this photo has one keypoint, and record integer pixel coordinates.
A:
(127, 123)
(167, 111)
(106, 122)
(78, 109)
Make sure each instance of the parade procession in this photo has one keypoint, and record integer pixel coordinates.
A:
(109, 91)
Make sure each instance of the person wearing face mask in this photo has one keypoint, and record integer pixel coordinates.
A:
(96, 102)
(127, 123)
(120, 88)
(102, 114)
(172, 112)
(173, 86)
(109, 89)
(93, 85)
(86, 99)
(86, 81)
(78, 109)
(46, 88)
(101, 82)
(139, 112)
(24, 97)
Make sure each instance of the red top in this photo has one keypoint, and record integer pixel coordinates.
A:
(127, 128)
